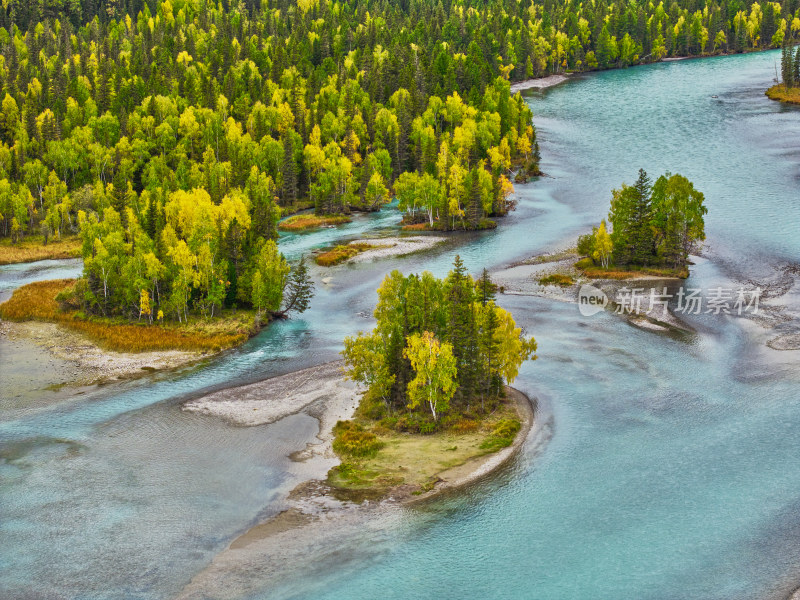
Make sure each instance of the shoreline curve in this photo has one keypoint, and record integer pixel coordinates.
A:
(312, 513)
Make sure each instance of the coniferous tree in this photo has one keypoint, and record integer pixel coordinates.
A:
(299, 289)
(641, 217)
(289, 191)
(486, 288)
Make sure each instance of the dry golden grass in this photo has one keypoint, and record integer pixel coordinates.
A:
(780, 93)
(37, 302)
(32, 248)
(306, 222)
(416, 227)
(342, 253)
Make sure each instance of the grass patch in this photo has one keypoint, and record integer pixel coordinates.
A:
(32, 248)
(341, 253)
(503, 435)
(557, 279)
(378, 456)
(593, 271)
(307, 222)
(780, 93)
(37, 302)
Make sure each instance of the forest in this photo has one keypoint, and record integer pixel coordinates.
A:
(173, 135)
(653, 224)
(440, 347)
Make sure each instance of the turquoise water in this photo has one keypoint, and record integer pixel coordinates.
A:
(660, 467)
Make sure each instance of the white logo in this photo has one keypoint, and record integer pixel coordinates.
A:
(591, 300)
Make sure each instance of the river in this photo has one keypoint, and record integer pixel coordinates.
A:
(661, 467)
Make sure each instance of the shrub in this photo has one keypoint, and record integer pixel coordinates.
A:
(413, 422)
(584, 263)
(557, 279)
(586, 245)
(352, 439)
(372, 408)
(503, 435)
(341, 253)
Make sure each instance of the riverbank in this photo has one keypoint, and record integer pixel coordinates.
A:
(781, 93)
(31, 249)
(80, 351)
(314, 518)
(539, 83)
(43, 356)
(41, 301)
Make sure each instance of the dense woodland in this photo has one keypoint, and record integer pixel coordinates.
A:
(119, 115)
(440, 347)
(653, 225)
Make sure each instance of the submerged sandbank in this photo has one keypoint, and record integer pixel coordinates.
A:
(313, 521)
(390, 247)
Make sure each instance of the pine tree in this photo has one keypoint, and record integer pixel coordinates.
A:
(486, 288)
(151, 217)
(120, 184)
(641, 217)
(488, 350)
(461, 325)
(796, 67)
(289, 191)
(299, 289)
(475, 207)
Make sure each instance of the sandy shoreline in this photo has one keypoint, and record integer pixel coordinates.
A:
(72, 360)
(313, 520)
(538, 83)
(394, 246)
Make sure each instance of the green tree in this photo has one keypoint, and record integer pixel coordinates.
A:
(299, 289)
(678, 218)
(269, 278)
(366, 359)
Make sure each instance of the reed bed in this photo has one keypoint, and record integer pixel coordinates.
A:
(306, 222)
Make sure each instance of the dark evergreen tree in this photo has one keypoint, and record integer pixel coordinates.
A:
(299, 289)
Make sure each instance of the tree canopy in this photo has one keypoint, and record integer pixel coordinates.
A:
(652, 225)
(438, 345)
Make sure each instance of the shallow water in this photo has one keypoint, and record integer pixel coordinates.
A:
(661, 467)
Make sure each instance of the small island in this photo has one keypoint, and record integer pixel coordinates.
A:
(652, 229)
(789, 90)
(434, 371)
